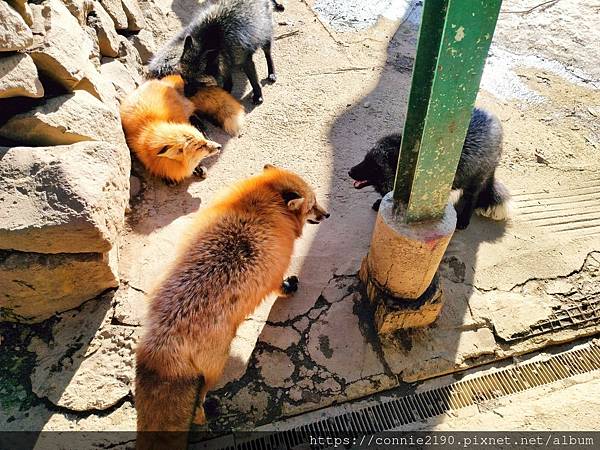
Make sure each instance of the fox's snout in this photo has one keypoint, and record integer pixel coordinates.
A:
(317, 215)
(359, 171)
(213, 147)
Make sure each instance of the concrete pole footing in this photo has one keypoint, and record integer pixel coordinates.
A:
(400, 269)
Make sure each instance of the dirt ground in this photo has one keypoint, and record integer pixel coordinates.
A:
(339, 89)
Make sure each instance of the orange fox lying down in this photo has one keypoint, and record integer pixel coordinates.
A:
(155, 119)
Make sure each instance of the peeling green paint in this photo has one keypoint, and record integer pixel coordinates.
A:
(454, 40)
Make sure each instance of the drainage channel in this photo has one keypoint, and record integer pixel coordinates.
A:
(390, 414)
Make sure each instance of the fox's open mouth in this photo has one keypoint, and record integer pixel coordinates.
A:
(359, 184)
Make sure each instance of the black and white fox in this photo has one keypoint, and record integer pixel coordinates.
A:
(223, 35)
(475, 187)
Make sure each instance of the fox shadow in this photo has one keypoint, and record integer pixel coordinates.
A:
(340, 242)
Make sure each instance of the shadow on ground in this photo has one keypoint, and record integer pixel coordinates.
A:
(327, 351)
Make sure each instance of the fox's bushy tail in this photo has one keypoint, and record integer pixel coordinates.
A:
(165, 410)
(220, 106)
(494, 201)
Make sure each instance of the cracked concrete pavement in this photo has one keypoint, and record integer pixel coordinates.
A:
(336, 94)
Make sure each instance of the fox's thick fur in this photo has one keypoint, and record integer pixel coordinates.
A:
(474, 187)
(238, 254)
(156, 121)
(223, 35)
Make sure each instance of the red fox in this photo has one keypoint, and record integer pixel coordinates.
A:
(155, 119)
(239, 251)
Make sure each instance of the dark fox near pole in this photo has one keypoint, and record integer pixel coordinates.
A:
(416, 222)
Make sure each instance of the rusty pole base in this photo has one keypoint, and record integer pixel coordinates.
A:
(396, 313)
(400, 269)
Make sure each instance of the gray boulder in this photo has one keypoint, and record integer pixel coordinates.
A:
(66, 119)
(19, 77)
(14, 32)
(35, 286)
(63, 199)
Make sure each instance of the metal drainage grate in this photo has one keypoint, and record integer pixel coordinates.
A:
(584, 313)
(391, 414)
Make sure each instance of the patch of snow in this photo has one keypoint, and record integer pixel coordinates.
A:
(349, 15)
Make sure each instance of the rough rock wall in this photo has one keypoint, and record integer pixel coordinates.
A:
(64, 163)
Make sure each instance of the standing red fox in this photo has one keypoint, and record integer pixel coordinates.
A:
(238, 254)
(156, 117)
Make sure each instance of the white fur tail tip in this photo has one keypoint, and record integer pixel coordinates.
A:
(234, 124)
(503, 211)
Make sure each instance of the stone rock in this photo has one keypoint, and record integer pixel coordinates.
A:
(14, 32)
(108, 39)
(336, 343)
(135, 16)
(35, 286)
(145, 45)
(19, 77)
(130, 57)
(22, 7)
(95, 53)
(115, 10)
(101, 88)
(122, 79)
(79, 9)
(62, 52)
(276, 368)
(66, 119)
(63, 199)
(88, 364)
(38, 27)
(160, 21)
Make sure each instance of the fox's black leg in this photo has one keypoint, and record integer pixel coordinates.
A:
(270, 65)
(170, 182)
(289, 286)
(465, 207)
(250, 71)
(278, 5)
(227, 81)
(376, 205)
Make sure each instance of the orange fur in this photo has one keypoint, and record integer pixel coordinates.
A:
(238, 254)
(225, 110)
(155, 119)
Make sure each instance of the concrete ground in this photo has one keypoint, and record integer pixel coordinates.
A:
(342, 85)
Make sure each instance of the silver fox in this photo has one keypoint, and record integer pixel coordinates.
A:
(475, 187)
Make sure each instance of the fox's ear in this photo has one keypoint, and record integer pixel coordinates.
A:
(269, 166)
(293, 200)
(188, 43)
(168, 152)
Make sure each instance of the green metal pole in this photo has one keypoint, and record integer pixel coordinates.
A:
(454, 40)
